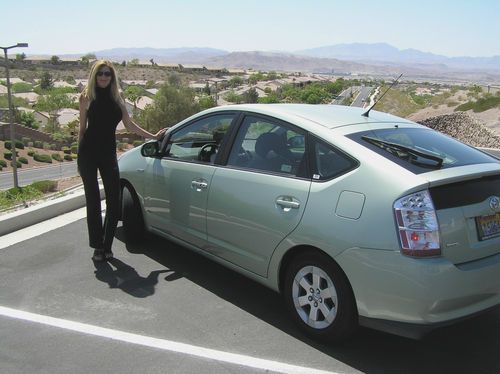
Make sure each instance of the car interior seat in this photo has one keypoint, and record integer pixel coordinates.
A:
(272, 154)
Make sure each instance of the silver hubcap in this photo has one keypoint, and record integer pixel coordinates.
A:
(315, 297)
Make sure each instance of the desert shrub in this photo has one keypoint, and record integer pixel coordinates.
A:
(137, 143)
(45, 186)
(68, 157)
(38, 144)
(31, 153)
(30, 144)
(18, 164)
(23, 160)
(126, 140)
(53, 147)
(57, 156)
(74, 156)
(121, 146)
(74, 148)
(42, 158)
(46, 145)
(66, 150)
(7, 155)
(25, 140)
(3, 163)
(19, 144)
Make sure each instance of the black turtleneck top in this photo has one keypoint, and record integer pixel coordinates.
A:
(103, 115)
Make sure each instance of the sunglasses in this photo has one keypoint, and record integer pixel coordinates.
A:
(105, 73)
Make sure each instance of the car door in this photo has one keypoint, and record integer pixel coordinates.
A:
(260, 196)
(177, 184)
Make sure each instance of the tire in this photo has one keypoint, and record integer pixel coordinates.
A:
(133, 221)
(319, 298)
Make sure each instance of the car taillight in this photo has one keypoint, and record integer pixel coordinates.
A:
(417, 225)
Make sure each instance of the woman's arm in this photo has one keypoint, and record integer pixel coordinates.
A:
(84, 105)
(134, 127)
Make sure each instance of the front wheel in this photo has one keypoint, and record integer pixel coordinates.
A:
(319, 298)
(133, 222)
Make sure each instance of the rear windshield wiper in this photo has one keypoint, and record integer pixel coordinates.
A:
(406, 153)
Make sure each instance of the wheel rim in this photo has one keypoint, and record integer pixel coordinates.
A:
(315, 297)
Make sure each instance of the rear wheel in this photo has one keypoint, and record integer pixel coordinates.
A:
(133, 221)
(319, 298)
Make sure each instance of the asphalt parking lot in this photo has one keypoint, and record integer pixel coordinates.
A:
(158, 308)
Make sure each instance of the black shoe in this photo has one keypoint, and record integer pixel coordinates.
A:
(98, 255)
(108, 254)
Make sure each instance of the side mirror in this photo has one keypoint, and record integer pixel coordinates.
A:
(151, 149)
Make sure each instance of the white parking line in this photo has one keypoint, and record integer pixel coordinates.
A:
(42, 227)
(166, 345)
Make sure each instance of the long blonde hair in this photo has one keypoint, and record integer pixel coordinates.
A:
(90, 91)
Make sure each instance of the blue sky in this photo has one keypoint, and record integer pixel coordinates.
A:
(450, 28)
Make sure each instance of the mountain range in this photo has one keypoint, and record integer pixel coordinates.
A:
(361, 58)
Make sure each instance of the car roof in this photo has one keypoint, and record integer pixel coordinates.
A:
(329, 116)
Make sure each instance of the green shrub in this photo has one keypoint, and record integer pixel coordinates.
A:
(74, 148)
(121, 146)
(68, 157)
(19, 144)
(57, 156)
(3, 163)
(14, 196)
(74, 144)
(74, 156)
(66, 150)
(26, 140)
(53, 147)
(30, 144)
(18, 164)
(1, 168)
(31, 153)
(45, 186)
(7, 155)
(42, 158)
(46, 145)
(38, 144)
(137, 143)
(23, 160)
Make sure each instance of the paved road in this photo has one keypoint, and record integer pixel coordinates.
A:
(159, 290)
(363, 94)
(25, 177)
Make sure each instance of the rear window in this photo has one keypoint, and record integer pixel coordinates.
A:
(419, 149)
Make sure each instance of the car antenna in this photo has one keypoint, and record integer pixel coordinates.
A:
(365, 114)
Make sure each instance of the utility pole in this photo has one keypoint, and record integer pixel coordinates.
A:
(11, 113)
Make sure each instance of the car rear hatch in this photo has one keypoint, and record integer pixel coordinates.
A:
(467, 203)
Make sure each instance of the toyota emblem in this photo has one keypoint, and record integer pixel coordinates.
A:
(494, 203)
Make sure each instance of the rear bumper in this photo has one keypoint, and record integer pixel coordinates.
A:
(421, 294)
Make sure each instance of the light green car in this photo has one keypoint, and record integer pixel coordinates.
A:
(355, 219)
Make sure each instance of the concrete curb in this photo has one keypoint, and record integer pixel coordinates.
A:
(19, 219)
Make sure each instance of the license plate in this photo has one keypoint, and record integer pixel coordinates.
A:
(488, 226)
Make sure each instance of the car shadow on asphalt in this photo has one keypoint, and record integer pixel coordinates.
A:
(469, 346)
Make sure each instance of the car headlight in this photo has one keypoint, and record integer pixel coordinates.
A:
(417, 225)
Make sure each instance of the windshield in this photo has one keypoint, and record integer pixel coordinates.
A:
(420, 149)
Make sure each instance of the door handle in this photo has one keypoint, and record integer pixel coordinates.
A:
(288, 203)
(199, 184)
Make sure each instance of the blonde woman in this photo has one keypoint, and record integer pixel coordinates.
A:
(101, 109)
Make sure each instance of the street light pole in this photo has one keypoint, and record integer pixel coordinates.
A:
(11, 113)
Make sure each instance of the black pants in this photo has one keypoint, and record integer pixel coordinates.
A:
(100, 236)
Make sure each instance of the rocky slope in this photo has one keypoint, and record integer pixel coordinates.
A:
(464, 128)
